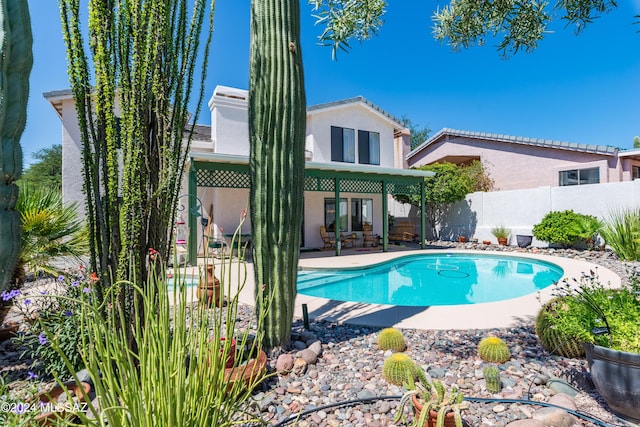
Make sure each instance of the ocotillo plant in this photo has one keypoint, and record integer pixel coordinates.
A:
(277, 127)
(16, 60)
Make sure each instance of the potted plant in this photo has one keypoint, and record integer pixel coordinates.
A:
(606, 321)
(501, 233)
(434, 406)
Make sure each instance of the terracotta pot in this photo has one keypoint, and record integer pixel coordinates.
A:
(232, 352)
(249, 372)
(462, 239)
(502, 241)
(449, 420)
(209, 288)
(62, 409)
(486, 242)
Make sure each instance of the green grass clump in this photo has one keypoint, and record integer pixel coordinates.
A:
(391, 339)
(398, 368)
(493, 350)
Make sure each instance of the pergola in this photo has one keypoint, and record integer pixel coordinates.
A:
(232, 171)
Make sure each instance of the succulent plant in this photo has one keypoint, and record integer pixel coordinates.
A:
(493, 350)
(492, 378)
(391, 339)
(16, 60)
(398, 368)
(552, 338)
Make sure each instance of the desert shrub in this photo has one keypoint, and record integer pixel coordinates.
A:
(621, 231)
(559, 227)
(588, 306)
(55, 314)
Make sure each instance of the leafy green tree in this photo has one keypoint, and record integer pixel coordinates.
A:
(479, 177)
(132, 106)
(519, 24)
(636, 142)
(47, 171)
(418, 134)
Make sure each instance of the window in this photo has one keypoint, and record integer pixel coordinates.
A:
(580, 176)
(330, 214)
(343, 145)
(368, 147)
(361, 212)
(635, 171)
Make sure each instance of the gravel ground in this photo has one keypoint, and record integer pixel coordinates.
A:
(350, 365)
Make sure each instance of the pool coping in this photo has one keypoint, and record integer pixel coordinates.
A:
(508, 313)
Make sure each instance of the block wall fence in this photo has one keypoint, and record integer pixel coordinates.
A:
(520, 210)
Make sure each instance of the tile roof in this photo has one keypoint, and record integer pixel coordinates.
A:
(538, 142)
(355, 100)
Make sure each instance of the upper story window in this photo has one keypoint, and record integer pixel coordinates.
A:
(343, 145)
(580, 176)
(368, 147)
(635, 172)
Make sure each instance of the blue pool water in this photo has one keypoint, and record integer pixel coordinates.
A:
(432, 279)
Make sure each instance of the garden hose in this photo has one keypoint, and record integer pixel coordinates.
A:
(586, 417)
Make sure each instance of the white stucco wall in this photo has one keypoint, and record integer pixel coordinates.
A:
(520, 210)
(72, 177)
(353, 116)
(229, 121)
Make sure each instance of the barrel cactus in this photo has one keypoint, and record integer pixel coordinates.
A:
(398, 367)
(493, 350)
(391, 339)
(492, 379)
(554, 339)
(16, 60)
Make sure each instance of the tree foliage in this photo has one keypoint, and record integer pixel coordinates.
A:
(519, 24)
(450, 184)
(47, 171)
(132, 109)
(418, 134)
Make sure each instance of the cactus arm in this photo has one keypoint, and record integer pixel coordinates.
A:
(15, 66)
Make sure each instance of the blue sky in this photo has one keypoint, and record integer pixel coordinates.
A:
(582, 89)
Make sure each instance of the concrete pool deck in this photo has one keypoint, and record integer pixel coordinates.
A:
(508, 313)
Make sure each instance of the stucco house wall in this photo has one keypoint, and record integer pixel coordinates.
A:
(518, 162)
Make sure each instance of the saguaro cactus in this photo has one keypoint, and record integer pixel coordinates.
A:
(277, 126)
(15, 64)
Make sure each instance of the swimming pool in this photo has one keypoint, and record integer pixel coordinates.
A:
(432, 279)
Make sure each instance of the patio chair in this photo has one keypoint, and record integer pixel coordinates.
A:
(346, 241)
(327, 240)
(367, 235)
(216, 243)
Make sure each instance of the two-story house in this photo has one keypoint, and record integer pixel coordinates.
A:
(354, 153)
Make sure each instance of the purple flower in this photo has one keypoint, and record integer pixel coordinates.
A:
(42, 339)
(27, 301)
(75, 284)
(68, 313)
(6, 296)
(20, 408)
(86, 290)
(32, 376)
(60, 278)
(43, 292)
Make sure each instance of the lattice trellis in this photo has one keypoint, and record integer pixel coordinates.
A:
(360, 186)
(403, 188)
(222, 179)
